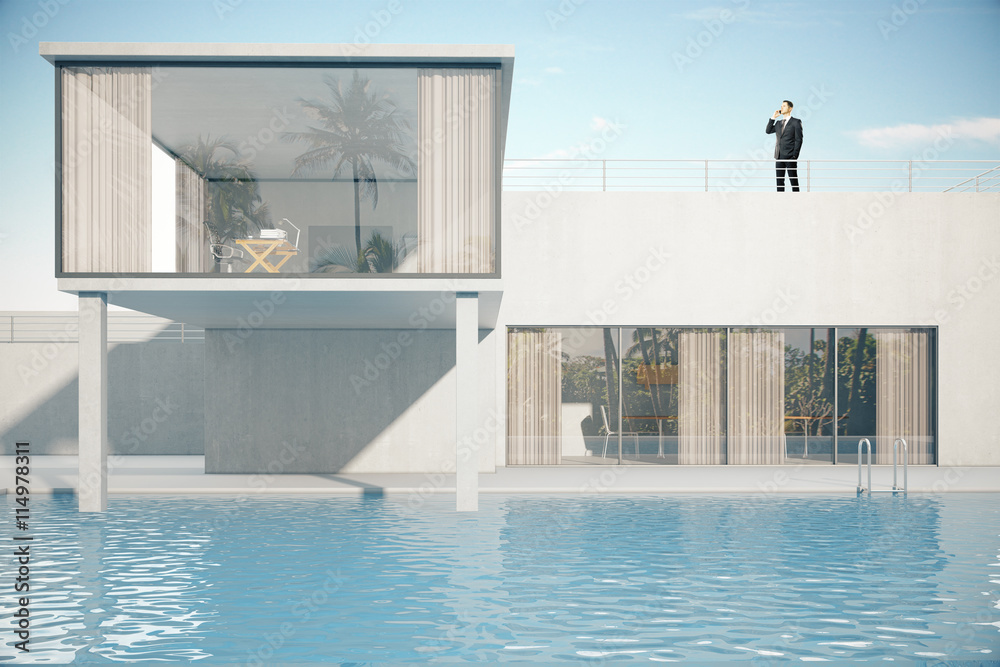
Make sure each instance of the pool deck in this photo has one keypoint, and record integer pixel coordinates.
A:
(186, 475)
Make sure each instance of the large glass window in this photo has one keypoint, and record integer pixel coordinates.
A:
(809, 387)
(706, 396)
(886, 389)
(277, 170)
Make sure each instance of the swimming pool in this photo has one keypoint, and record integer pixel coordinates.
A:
(590, 579)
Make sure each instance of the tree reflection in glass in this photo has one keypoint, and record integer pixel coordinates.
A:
(357, 128)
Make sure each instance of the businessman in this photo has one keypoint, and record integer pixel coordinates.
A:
(787, 144)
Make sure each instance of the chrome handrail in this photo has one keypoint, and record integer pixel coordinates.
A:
(895, 479)
(906, 457)
(868, 443)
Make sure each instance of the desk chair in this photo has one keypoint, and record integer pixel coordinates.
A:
(226, 255)
(607, 427)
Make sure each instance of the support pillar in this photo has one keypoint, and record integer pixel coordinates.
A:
(467, 401)
(92, 482)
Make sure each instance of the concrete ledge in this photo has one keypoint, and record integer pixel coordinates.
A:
(185, 475)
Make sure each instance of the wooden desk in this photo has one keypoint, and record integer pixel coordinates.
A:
(260, 249)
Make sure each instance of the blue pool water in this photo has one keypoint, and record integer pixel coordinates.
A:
(596, 579)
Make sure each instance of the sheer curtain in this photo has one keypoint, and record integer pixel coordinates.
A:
(757, 398)
(106, 169)
(192, 238)
(456, 170)
(699, 399)
(534, 397)
(902, 394)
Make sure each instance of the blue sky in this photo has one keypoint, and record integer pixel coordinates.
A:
(871, 79)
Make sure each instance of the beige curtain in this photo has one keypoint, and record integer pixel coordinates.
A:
(106, 169)
(534, 397)
(902, 394)
(193, 254)
(699, 399)
(757, 398)
(456, 170)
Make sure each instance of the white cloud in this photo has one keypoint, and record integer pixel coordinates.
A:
(986, 130)
(553, 70)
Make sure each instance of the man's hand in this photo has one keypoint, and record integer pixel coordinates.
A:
(776, 114)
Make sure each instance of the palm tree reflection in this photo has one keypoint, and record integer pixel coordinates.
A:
(358, 128)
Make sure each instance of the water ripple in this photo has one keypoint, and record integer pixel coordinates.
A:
(528, 578)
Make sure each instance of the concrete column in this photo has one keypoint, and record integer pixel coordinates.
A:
(92, 485)
(467, 401)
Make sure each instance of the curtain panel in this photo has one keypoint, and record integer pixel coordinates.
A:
(534, 397)
(193, 254)
(757, 398)
(456, 165)
(700, 392)
(106, 169)
(902, 394)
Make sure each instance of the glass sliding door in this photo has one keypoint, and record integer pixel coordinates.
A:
(534, 396)
(713, 396)
(674, 395)
(756, 397)
(702, 398)
(855, 391)
(562, 395)
(904, 377)
(809, 387)
(649, 390)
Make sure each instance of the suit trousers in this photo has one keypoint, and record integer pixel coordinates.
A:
(793, 174)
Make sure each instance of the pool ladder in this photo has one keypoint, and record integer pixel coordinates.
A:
(895, 488)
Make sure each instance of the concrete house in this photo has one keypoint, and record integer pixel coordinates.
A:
(373, 300)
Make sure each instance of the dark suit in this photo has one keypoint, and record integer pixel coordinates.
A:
(787, 144)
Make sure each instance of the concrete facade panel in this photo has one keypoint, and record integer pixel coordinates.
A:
(774, 259)
(328, 401)
(155, 397)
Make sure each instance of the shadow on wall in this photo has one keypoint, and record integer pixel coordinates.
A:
(155, 398)
(328, 395)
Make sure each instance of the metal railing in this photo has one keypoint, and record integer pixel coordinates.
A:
(751, 175)
(988, 181)
(63, 327)
(895, 482)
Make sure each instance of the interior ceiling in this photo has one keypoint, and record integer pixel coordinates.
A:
(253, 106)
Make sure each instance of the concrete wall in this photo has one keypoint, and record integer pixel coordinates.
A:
(345, 400)
(770, 259)
(155, 395)
(592, 259)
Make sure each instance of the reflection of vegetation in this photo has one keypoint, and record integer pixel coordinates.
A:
(809, 387)
(809, 382)
(358, 128)
(655, 352)
(583, 382)
(856, 388)
(588, 379)
(380, 255)
(233, 206)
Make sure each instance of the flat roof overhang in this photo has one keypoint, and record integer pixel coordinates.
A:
(290, 303)
(498, 55)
